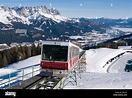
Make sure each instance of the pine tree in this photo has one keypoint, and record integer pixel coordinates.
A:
(23, 52)
(33, 50)
(1, 60)
(28, 52)
(38, 49)
(4, 61)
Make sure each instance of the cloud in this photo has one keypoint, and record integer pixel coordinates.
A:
(20, 5)
(50, 4)
(80, 4)
(111, 4)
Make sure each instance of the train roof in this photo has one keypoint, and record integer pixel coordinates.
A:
(62, 43)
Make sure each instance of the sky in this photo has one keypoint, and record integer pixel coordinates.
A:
(111, 76)
(81, 8)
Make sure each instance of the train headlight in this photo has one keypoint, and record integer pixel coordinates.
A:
(60, 72)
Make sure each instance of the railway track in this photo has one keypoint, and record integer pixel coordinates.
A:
(51, 82)
(38, 82)
(43, 81)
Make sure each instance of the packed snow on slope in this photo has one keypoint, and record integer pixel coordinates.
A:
(99, 77)
(21, 64)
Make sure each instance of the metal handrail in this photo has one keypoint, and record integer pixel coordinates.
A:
(9, 81)
(62, 83)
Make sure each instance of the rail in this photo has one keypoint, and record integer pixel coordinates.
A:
(55, 82)
(18, 76)
(45, 83)
(51, 82)
(77, 69)
(82, 53)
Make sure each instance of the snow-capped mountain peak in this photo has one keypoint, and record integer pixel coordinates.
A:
(9, 15)
(28, 14)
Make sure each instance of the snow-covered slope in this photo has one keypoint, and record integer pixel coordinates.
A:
(94, 80)
(98, 77)
(100, 60)
(21, 64)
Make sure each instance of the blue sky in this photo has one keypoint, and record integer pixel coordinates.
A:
(81, 8)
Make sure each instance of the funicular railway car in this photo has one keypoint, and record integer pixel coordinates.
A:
(57, 57)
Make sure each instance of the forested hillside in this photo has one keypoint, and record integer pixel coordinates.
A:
(17, 53)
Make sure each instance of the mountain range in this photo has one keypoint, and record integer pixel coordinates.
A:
(42, 23)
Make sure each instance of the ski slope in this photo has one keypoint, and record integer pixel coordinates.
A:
(112, 76)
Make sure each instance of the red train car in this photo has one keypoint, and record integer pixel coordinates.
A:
(58, 57)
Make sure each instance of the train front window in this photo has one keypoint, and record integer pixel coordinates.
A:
(54, 52)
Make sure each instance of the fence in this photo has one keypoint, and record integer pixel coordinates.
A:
(18, 76)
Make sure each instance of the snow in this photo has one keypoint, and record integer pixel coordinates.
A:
(24, 63)
(57, 18)
(98, 74)
(4, 71)
(21, 64)
(3, 44)
(96, 80)
(122, 62)
(123, 29)
(100, 57)
(3, 17)
(99, 77)
(125, 47)
(7, 15)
